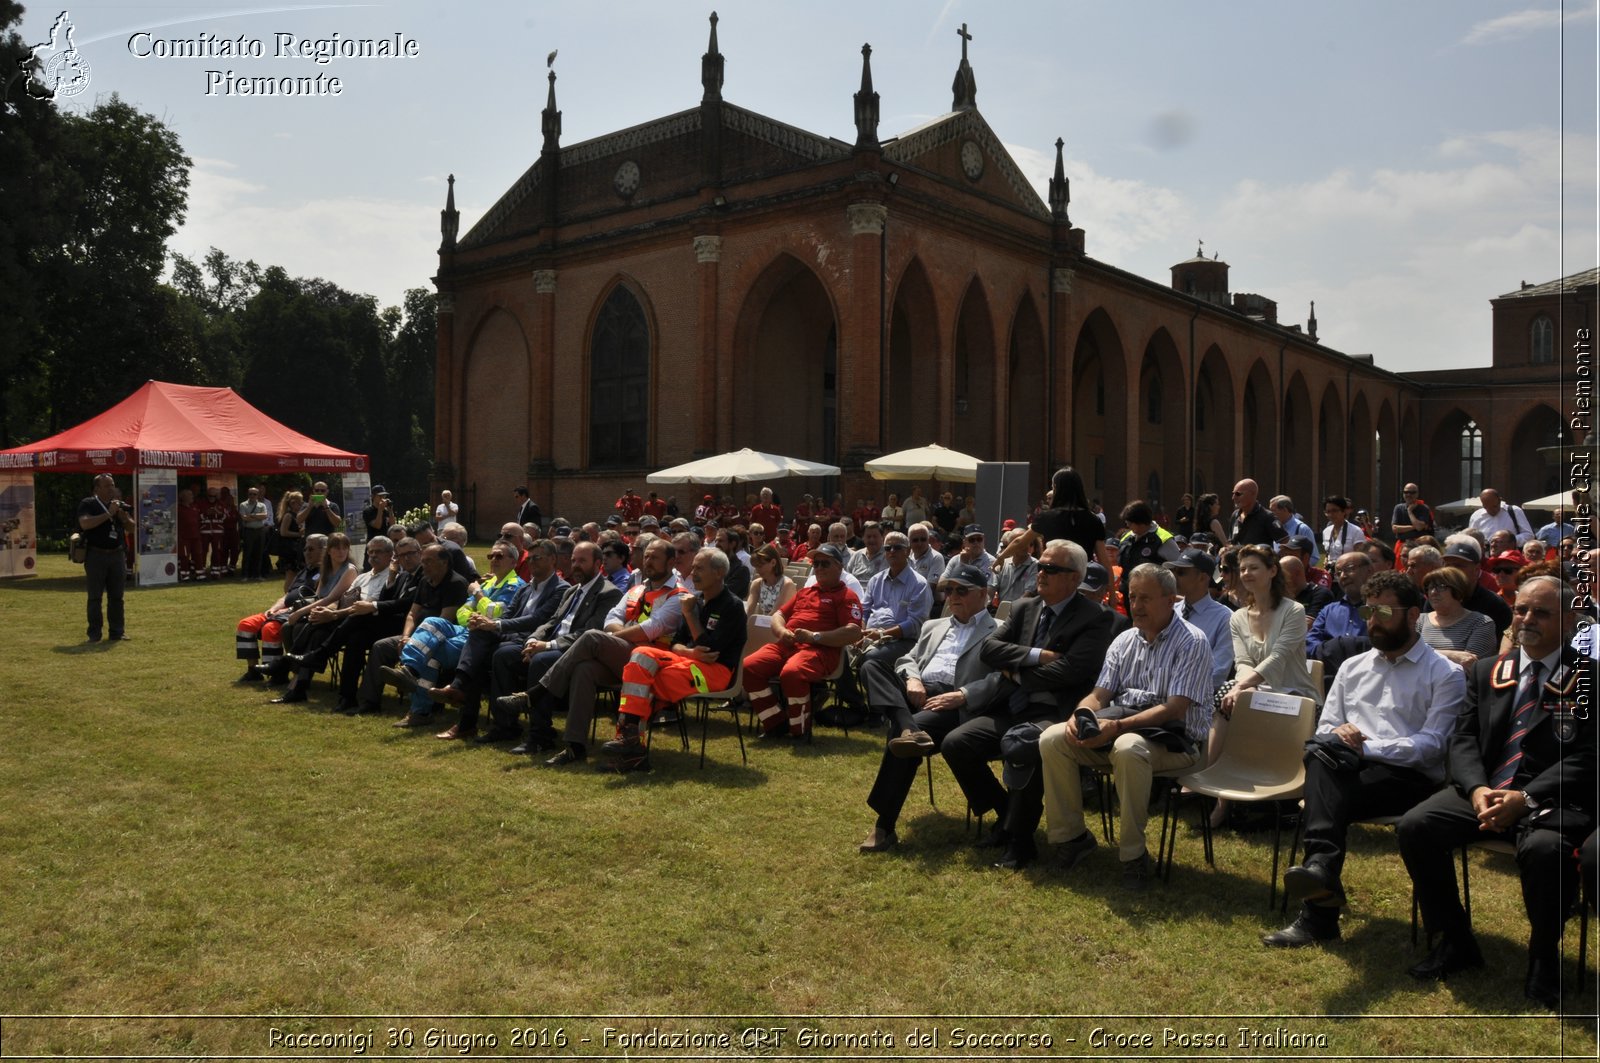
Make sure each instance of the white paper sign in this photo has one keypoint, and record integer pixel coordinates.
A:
(1266, 701)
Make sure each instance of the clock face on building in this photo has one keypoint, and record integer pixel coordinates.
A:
(972, 160)
(626, 182)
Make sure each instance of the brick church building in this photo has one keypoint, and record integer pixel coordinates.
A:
(716, 279)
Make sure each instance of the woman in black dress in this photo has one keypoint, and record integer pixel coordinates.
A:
(1069, 517)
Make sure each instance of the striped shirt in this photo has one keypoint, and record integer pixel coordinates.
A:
(1139, 674)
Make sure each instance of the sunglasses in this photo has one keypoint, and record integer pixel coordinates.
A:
(919, 539)
(1382, 612)
(1055, 570)
(895, 546)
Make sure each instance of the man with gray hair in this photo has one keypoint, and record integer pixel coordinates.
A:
(704, 656)
(1133, 722)
(1522, 770)
(1046, 656)
(896, 605)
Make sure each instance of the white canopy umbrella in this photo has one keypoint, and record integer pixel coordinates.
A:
(740, 466)
(1559, 500)
(1460, 505)
(931, 462)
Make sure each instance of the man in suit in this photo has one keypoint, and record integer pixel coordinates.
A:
(1522, 764)
(365, 622)
(533, 606)
(934, 681)
(517, 665)
(1045, 657)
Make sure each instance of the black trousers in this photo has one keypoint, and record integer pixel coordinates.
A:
(968, 741)
(354, 635)
(474, 670)
(886, 692)
(1431, 833)
(107, 570)
(1336, 799)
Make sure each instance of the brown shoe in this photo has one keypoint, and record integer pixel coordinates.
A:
(879, 841)
(451, 733)
(411, 720)
(447, 696)
(911, 744)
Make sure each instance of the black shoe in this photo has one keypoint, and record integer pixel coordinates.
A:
(665, 718)
(509, 706)
(624, 745)
(1136, 874)
(290, 697)
(841, 716)
(1544, 984)
(1069, 852)
(1017, 856)
(565, 757)
(1310, 882)
(997, 838)
(349, 708)
(497, 734)
(251, 675)
(1307, 929)
(774, 736)
(1455, 952)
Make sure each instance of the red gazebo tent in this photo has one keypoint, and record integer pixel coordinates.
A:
(174, 426)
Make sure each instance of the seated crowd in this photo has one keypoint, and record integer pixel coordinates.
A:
(1449, 676)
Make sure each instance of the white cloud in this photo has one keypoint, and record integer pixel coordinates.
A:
(1520, 24)
(370, 246)
(1120, 215)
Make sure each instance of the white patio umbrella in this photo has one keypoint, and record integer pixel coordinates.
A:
(931, 462)
(740, 466)
(1559, 500)
(1460, 505)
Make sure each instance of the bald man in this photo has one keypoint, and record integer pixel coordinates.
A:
(1251, 521)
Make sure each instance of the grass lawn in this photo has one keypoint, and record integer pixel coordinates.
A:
(174, 846)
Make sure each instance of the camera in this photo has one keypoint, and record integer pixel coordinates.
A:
(1088, 724)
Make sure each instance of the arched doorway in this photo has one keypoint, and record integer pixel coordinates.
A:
(1027, 413)
(1214, 404)
(1099, 423)
(1163, 433)
(972, 376)
(1260, 429)
(495, 419)
(1296, 479)
(1359, 477)
(786, 365)
(911, 375)
(1331, 448)
(1534, 472)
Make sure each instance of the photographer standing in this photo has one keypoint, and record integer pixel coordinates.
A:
(103, 519)
(378, 515)
(321, 517)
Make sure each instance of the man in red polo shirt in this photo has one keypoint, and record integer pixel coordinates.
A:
(766, 513)
(811, 630)
(630, 505)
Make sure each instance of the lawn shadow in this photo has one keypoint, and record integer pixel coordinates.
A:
(83, 647)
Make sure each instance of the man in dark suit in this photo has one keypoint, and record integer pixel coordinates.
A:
(535, 603)
(517, 666)
(942, 673)
(1522, 761)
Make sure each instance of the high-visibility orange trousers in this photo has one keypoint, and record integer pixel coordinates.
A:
(653, 674)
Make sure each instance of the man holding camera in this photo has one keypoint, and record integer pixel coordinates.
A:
(378, 515)
(103, 519)
(1132, 722)
(322, 517)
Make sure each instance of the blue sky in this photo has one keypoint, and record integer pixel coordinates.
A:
(1400, 163)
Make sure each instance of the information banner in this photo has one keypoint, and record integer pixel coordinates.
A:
(155, 493)
(18, 528)
(357, 491)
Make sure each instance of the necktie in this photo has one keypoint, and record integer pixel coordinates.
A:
(1527, 704)
(1040, 630)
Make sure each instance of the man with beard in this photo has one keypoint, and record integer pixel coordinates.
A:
(1378, 749)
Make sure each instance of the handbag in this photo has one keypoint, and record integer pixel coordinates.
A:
(77, 548)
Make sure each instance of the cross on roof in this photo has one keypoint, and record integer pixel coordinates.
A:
(965, 37)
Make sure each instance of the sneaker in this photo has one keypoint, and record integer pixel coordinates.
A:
(1136, 873)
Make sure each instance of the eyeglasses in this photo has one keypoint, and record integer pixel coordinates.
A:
(1437, 588)
(919, 539)
(894, 546)
(1055, 570)
(1408, 492)
(407, 553)
(1382, 612)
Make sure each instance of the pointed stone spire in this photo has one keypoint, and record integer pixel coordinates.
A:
(449, 218)
(711, 66)
(866, 104)
(1060, 189)
(965, 86)
(1311, 325)
(550, 119)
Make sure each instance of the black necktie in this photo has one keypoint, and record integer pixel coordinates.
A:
(1042, 629)
(1527, 704)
